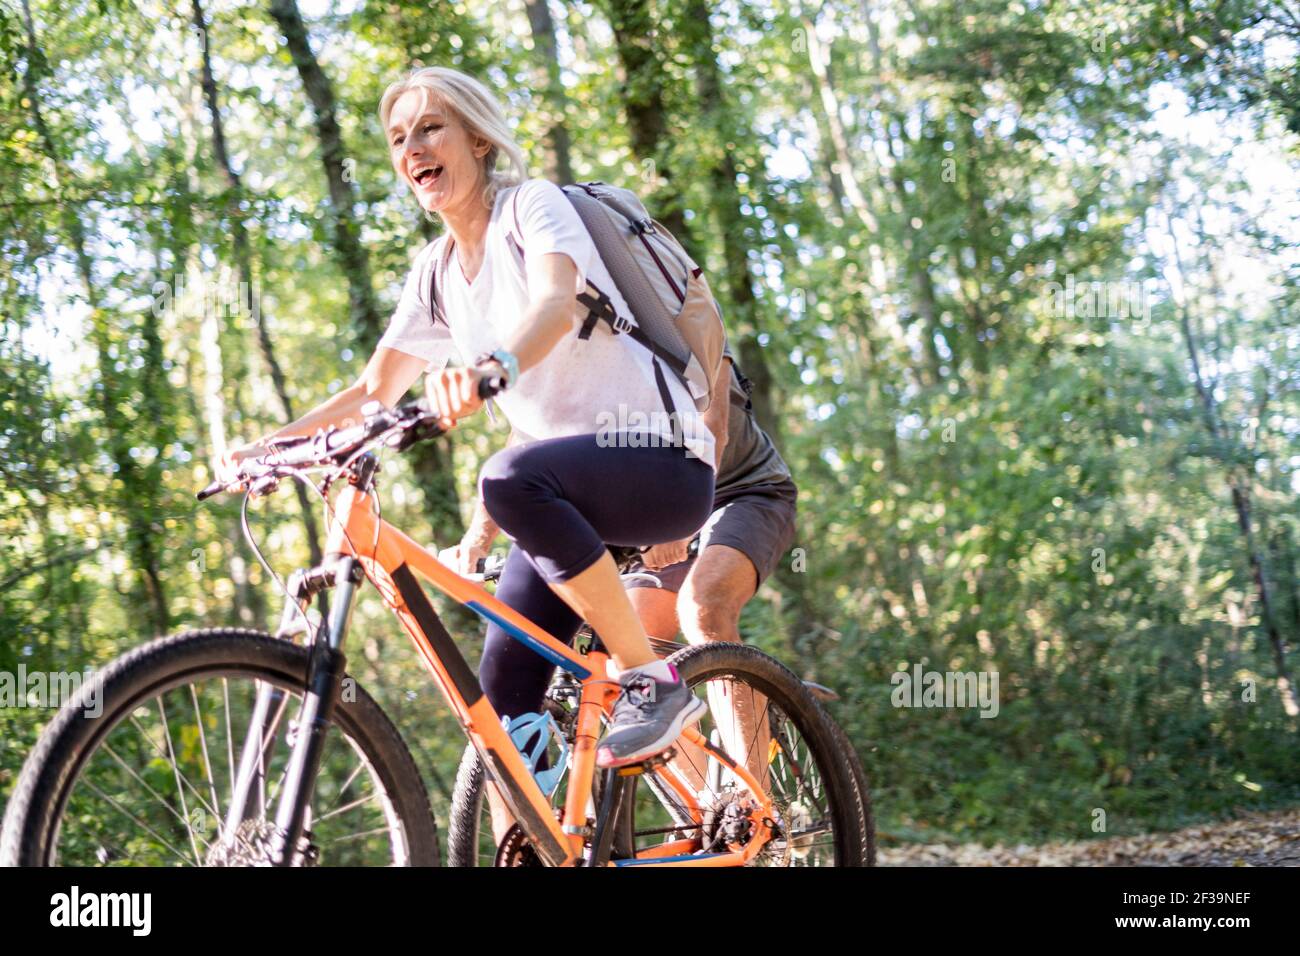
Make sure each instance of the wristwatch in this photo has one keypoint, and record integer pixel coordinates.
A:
(507, 361)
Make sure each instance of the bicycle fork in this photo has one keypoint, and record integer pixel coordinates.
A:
(307, 732)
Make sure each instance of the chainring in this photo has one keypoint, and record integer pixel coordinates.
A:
(515, 850)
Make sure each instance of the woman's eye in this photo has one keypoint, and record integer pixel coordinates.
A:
(397, 141)
(432, 126)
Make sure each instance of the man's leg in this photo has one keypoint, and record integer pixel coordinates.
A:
(708, 608)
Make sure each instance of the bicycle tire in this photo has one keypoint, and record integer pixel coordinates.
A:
(836, 757)
(32, 816)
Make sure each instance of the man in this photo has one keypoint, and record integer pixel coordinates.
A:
(751, 527)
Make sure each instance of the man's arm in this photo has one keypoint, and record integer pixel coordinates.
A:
(480, 535)
(716, 418)
(717, 414)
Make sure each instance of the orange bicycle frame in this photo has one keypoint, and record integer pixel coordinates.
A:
(393, 562)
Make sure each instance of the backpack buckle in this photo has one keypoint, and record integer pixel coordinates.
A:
(622, 325)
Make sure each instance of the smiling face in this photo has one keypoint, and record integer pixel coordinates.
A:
(434, 154)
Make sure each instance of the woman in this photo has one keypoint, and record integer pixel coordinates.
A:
(513, 257)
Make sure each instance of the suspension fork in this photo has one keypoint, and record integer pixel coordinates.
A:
(294, 621)
(324, 677)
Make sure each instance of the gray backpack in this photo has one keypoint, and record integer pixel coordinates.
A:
(676, 316)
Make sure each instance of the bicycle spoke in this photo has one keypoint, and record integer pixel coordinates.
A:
(344, 789)
(261, 754)
(207, 760)
(182, 779)
(154, 793)
(345, 809)
(171, 751)
(230, 735)
(356, 836)
(154, 833)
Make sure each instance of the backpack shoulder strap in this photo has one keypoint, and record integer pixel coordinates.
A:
(514, 237)
(437, 272)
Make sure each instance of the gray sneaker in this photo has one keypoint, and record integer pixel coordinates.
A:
(648, 716)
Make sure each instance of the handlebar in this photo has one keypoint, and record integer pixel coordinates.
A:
(409, 423)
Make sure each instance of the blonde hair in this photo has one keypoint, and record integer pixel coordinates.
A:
(476, 107)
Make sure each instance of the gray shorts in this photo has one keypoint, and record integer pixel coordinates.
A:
(756, 521)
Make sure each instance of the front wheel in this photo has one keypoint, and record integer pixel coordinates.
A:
(765, 718)
(141, 768)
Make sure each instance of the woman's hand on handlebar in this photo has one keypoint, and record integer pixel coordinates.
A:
(225, 467)
(454, 392)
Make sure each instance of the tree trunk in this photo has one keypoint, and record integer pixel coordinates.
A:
(733, 227)
(644, 82)
(136, 500)
(435, 480)
(555, 152)
(1239, 488)
(244, 268)
(367, 323)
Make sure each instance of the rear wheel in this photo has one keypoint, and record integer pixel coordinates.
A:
(763, 716)
(145, 774)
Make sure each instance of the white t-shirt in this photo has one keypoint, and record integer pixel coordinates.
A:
(601, 385)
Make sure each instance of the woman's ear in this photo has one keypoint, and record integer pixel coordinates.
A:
(481, 148)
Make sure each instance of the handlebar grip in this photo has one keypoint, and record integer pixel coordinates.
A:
(487, 387)
(210, 490)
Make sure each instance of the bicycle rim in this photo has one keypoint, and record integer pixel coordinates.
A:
(155, 786)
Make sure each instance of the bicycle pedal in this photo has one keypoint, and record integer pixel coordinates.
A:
(651, 763)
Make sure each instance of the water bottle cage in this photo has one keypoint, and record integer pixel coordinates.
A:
(524, 728)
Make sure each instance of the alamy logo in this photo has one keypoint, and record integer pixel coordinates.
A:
(50, 689)
(1123, 299)
(921, 688)
(632, 428)
(103, 909)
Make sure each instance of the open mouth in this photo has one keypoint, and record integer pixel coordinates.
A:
(426, 175)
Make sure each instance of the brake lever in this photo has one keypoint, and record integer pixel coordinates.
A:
(264, 486)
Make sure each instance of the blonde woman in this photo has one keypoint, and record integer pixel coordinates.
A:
(513, 257)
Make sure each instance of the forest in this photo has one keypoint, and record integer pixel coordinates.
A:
(1015, 282)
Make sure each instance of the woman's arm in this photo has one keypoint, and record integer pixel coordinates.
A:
(552, 281)
(386, 378)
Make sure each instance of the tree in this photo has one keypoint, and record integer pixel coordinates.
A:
(431, 463)
(250, 301)
(137, 487)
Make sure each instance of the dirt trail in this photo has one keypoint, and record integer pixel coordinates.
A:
(1255, 839)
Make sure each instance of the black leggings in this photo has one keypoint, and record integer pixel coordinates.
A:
(561, 501)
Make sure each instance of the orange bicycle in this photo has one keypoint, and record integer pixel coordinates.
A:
(232, 747)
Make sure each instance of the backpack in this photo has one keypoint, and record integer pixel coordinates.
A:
(676, 316)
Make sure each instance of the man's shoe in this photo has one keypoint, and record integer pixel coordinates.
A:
(648, 716)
